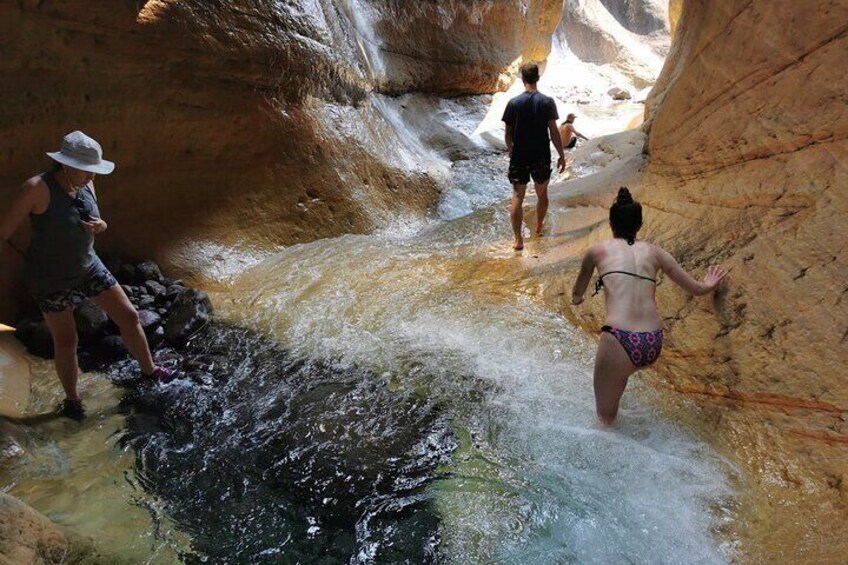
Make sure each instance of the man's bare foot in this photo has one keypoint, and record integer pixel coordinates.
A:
(540, 231)
(518, 245)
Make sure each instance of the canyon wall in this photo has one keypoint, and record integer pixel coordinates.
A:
(747, 153)
(242, 126)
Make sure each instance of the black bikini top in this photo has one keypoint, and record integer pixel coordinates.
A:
(599, 284)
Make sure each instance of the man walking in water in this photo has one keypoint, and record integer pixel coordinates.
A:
(567, 132)
(530, 118)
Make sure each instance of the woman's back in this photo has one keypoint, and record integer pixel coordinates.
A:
(628, 273)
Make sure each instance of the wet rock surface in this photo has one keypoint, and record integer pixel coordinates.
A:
(30, 538)
(264, 458)
(169, 313)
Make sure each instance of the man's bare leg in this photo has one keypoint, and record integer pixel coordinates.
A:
(63, 330)
(541, 206)
(516, 214)
(612, 369)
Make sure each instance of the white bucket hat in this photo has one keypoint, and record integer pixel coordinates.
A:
(83, 153)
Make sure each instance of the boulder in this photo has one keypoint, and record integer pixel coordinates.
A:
(156, 337)
(91, 321)
(109, 349)
(147, 271)
(191, 311)
(154, 288)
(125, 274)
(619, 94)
(35, 335)
(174, 290)
(149, 320)
(27, 537)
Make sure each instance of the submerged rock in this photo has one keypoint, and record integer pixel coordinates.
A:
(30, 538)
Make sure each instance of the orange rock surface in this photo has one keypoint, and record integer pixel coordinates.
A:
(238, 123)
(746, 166)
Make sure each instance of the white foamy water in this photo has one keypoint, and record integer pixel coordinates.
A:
(535, 480)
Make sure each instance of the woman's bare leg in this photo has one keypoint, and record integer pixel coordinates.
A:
(612, 369)
(118, 307)
(63, 330)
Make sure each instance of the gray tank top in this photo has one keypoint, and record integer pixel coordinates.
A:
(61, 252)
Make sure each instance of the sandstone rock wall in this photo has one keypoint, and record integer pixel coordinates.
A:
(239, 122)
(615, 33)
(449, 46)
(748, 145)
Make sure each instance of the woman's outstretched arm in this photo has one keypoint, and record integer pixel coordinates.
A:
(684, 280)
(584, 277)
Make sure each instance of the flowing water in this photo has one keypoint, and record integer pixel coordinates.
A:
(397, 398)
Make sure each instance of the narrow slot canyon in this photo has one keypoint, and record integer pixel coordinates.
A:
(384, 380)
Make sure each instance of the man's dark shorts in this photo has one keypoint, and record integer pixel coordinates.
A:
(520, 174)
(96, 282)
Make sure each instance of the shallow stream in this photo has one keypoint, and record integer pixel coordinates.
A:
(392, 401)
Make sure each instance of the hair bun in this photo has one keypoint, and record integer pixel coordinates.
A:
(624, 196)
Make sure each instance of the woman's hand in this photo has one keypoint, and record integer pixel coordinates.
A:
(94, 226)
(715, 274)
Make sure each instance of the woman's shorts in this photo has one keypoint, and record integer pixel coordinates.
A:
(96, 282)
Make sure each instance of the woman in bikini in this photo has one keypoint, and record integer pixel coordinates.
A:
(632, 336)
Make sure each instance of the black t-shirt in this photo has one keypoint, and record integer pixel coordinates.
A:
(529, 114)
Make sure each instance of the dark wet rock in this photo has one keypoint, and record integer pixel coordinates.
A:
(111, 348)
(156, 337)
(112, 263)
(91, 321)
(146, 302)
(148, 271)
(35, 336)
(154, 288)
(126, 274)
(191, 311)
(128, 290)
(173, 291)
(149, 320)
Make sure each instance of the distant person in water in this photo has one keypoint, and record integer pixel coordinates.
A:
(530, 120)
(61, 266)
(568, 134)
(632, 337)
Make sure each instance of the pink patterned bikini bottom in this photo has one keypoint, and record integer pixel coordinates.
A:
(643, 348)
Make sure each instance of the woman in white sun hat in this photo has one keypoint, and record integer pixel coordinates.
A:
(61, 265)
